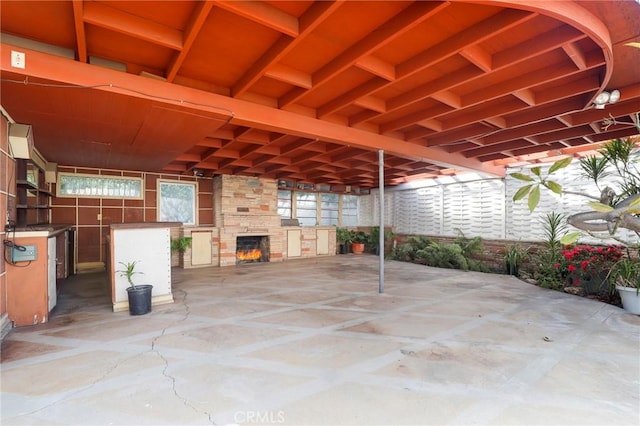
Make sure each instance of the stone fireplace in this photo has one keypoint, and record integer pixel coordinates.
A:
(247, 207)
(252, 249)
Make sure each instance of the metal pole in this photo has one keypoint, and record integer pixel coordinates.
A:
(381, 236)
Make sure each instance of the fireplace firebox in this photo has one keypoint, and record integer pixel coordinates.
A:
(252, 249)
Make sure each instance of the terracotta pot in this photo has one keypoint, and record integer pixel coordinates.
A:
(357, 248)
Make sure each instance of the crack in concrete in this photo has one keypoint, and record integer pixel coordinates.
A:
(165, 372)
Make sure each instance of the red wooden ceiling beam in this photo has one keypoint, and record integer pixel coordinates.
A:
(317, 13)
(78, 22)
(404, 21)
(56, 69)
(196, 22)
(115, 20)
(263, 14)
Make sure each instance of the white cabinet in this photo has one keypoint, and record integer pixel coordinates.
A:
(201, 247)
(322, 242)
(52, 262)
(149, 245)
(294, 244)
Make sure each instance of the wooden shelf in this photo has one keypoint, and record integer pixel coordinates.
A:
(31, 197)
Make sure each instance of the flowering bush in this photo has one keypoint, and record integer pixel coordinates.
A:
(583, 261)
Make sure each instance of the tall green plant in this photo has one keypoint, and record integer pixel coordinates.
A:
(129, 271)
(546, 273)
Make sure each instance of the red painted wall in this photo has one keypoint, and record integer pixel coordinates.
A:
(92, 216)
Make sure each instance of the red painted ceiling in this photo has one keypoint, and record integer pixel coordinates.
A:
(311, 91)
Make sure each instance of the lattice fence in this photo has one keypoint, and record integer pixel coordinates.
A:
(481, 207)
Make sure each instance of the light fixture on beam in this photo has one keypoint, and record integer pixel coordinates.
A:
(605, 98)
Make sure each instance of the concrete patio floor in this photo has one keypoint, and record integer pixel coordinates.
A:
(312, 342)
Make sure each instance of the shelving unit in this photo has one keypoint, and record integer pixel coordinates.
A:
(32, 196)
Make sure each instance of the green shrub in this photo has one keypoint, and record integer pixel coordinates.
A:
(411, 251)
(457, 255)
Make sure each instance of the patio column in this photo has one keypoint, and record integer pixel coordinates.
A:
(381, 233)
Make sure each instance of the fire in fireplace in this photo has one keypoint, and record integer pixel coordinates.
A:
(252, 249)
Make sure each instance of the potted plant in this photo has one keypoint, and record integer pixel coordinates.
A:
(357, 244)
(625, 274)
(373, 240)
(513, 258)
(139, 295)
(343, 238)
(181, 245)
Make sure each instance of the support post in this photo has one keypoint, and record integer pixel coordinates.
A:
(381, 224)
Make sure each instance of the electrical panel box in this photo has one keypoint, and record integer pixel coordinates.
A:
(29, 253)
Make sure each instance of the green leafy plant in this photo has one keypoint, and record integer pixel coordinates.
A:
(532, 189)
(374, 239)
(457, 255)
(451, 256)
(545, 273)
(180, 244)
(413, 250)
(344, 235)
(514, 256)
(360, 237)
(129, 271)
(626, 272)
(614, 209)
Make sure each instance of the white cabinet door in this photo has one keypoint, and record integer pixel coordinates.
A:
(51, 273)
(322, 241)
(201, 248)
(294, 248)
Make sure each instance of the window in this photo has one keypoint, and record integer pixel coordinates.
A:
(349, 210)
(177, 202)
(284, 204)
(96, 186)
(329, 209)
(306, 208)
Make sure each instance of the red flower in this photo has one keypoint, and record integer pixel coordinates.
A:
(556, 265)
(571, 268)
(584, 264)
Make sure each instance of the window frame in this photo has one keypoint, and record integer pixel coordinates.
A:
(62, 175)
(192, 184)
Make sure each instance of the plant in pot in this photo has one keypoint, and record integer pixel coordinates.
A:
(373, 240)
(181, 245)
(343, 238)
(139, 295)
(513, 259)
(625, 275)
(358, 242)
